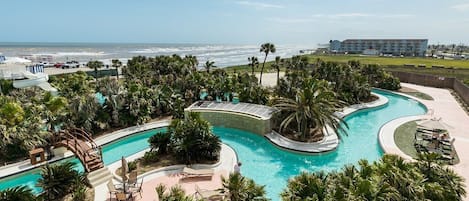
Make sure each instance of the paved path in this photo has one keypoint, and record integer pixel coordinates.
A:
(445, 106)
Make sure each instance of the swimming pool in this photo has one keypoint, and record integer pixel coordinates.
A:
(112, 152)
(271, 166)
(258, 154)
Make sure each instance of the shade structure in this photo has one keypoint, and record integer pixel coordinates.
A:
(434, 124)
(124, 171)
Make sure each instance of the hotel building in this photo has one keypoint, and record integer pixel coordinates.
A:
(395, 47)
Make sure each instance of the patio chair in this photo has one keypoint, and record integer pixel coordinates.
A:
(208, 194)
(132, 178)
(138, 188)
(112, 188)
(123, 196)
(189, 172)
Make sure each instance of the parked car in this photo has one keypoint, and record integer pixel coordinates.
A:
(58, 65)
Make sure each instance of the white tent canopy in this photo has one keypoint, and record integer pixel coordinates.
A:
(435, 124)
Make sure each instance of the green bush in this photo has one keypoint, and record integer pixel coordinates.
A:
(192, 139)
(466, 82)
(389, 82)
(79, 194)
(150, 157)
(132, 166)
(160, 142)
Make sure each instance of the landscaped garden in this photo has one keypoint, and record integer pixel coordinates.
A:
(308, 97)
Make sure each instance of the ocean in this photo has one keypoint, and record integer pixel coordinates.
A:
(223, 55)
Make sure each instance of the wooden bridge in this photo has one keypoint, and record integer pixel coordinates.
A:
(83, 146)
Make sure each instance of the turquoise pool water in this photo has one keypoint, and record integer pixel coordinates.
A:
(267, 164)
(272, 167)
(112, 152)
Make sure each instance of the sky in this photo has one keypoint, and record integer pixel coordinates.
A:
(232, 21)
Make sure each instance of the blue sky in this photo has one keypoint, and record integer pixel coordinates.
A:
(232, 21)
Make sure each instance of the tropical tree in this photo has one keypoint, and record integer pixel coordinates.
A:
(253, 63)
(209, 65)
(192, 139)
(313, 109)
(277, 64)
(307, 186)
(390, 178)
(95, 65)
(116, 64)
(240, 188)
(266, 48)
(22, 193)
(176, 193)
(58, 180)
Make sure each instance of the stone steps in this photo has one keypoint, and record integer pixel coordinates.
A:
(99, 176)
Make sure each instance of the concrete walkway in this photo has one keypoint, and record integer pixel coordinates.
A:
(445, 106)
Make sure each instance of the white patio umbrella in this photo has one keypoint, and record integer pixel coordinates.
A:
(124, 171)
(434, 124)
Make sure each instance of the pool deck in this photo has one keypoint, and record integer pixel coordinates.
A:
(170, 176)
(445, 106)
(331, 140)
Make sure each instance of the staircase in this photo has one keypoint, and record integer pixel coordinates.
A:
(83, 146)
(100, 176)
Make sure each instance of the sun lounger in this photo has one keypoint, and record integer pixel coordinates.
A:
(189, 172)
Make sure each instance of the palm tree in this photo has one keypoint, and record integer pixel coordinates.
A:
(58, 180)
(95, 65)
(253, 63)
(266, 48)
(240, 188)
(314, 108)
(22, 193)
(209, 65)
(116, 64)
(278, 63)
(306, 186)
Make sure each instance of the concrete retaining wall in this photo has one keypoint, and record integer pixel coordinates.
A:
(236, 120)
(435, 81)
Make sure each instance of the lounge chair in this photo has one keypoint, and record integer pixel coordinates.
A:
(208, 194)
(189, 172)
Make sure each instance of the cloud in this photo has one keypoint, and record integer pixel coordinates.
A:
(360, 15)
(338, 16)
(461, 7)
(258, 5)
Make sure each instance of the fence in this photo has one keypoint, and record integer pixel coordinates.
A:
(435, 81)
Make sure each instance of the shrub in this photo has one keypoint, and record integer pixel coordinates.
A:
(389, 82)
(160, 142)
(150, 157)
(79, 194)
(132, 166)
(192, 139)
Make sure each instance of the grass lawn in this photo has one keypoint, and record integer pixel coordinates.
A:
(390, 61)
(404, 138)
(420, 95)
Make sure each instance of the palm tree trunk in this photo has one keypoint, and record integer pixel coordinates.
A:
(96, 73)
(278, 75)
(262, 70)
(117, 73)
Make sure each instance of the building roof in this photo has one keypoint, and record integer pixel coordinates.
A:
(259, 111)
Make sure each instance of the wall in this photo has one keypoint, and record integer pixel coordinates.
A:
(435, 81)
(462, 90)
(236, 120)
